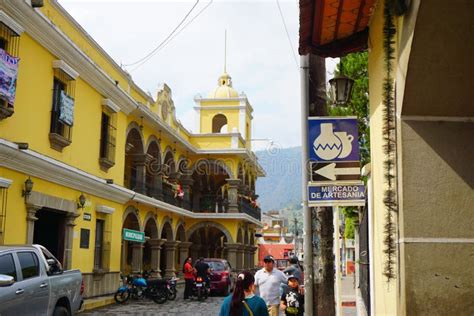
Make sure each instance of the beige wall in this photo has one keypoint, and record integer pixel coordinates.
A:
(436, 212)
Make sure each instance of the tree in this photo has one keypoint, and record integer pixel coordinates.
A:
(355, 66)
(323, 257)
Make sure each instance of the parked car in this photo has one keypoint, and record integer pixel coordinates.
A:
(32, 282)
(222, 278)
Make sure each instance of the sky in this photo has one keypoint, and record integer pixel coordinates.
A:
(259, 57)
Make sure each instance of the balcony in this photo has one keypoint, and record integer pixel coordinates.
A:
(210, 203)
(247, 208)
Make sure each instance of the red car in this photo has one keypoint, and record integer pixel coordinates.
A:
(222, 278)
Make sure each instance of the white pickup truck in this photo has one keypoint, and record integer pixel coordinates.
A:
(32, 282)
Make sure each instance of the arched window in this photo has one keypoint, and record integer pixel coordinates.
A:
(219, 124)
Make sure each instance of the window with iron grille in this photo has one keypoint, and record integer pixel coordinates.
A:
(99, 240)
(10, 43)
(107, 140)
(61, 131)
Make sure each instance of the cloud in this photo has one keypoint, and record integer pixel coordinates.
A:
(259, 57)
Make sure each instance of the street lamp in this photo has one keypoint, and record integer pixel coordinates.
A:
(82, 201)
(341, 88)
(28, 188)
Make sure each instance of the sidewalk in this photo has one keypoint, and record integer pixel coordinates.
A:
(348, 295)
(97, 302)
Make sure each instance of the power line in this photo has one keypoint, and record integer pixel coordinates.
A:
(164, 41)
(287, 33)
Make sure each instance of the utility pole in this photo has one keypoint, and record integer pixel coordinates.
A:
(296, 232)
(323, 267)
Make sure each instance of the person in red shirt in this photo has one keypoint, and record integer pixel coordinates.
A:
(188, 271)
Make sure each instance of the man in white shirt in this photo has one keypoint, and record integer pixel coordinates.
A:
(267, 281)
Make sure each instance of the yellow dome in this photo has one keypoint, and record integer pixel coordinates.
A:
(224, 90)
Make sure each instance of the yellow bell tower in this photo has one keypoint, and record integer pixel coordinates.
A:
(224, 111)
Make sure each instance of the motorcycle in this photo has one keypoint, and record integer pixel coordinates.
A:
(200, 289)
(171, 287)
(137, 287)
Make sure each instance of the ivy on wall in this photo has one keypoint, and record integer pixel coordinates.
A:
(390, 142)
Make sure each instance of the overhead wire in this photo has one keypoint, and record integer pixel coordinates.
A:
(175, 35)
(153, 52)
(287, 33)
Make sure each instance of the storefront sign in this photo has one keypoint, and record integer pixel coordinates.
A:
(8, 76)
(133, 235)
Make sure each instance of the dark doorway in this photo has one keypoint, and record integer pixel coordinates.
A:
(50, 232)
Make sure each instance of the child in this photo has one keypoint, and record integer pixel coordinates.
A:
(292, 302)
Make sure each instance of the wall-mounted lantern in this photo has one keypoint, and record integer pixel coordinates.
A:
(28, 187)
(82, 201)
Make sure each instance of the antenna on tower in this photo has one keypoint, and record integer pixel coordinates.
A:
(225, 51)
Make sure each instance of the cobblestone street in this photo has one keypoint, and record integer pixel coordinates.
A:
(211, 306)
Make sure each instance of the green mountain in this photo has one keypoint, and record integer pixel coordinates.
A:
(281, 188)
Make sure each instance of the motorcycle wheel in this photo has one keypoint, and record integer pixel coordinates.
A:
(200, 294)
(172, 294)
(121, 296)
(160, 297)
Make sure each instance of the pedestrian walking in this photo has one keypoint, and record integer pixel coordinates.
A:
(243, 301)
(188, 271)
(294, 269)
(268, 281)
(292, 300)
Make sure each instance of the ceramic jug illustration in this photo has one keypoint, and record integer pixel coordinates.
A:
(346, 141)
(327, 145)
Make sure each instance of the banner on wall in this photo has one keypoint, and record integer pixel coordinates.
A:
(66, 109)
(8, 76)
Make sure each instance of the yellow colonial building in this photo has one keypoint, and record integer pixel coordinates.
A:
(103, 174)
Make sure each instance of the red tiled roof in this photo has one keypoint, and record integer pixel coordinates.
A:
(334, 28)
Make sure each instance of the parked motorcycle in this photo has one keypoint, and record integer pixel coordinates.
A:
(137, 287)
(200, 289)
(171, 287)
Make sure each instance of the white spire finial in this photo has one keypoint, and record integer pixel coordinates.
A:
(225, 51)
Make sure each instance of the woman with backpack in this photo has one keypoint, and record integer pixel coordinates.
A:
(243, 302)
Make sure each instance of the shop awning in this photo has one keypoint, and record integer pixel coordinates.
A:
(334, 28)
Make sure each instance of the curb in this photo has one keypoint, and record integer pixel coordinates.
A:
(94, 303)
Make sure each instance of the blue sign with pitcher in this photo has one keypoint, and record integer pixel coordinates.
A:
(333, 139)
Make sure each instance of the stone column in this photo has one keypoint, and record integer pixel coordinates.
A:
(137, 257)
(30, 221)
(231, 250)
(247, 261)
(155, 245)
(240, 257)
(68, 239)
(253, 250)
(183, 254)
(139, 162)
(232, 194)
(170, 248)
(186, 183)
